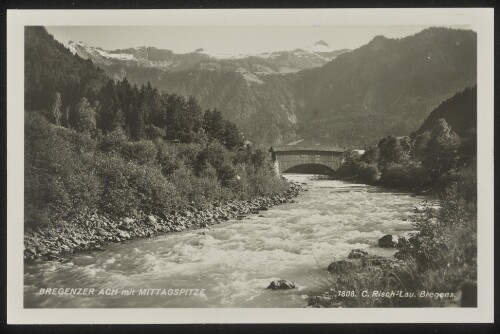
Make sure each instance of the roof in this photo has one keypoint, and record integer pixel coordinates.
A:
(324, 148)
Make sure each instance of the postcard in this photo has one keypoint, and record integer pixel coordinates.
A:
(250, 166)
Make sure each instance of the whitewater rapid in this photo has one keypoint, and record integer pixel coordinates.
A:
(232, 262)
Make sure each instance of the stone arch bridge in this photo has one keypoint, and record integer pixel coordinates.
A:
(321, 159)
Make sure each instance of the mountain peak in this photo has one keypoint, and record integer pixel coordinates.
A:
(321, 43)
(320, 47)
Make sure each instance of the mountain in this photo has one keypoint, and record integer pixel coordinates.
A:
(261, 64)
(323, 49)
(388, 86)
(250, 90)
(346, 98)
(460, 112)
(50, 68)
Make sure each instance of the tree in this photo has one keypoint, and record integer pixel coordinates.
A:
(66, 117)
(371, 155)
(136, 125)
(213, 124)
(56, 108)
(420, 143)
(85, 116)
(232, 136)
(183, 118)
(391, 151)
(111, 114)
(440, 154)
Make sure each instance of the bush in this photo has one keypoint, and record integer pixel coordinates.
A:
(69, 173)
(367, 173)
(153, 132)
(167, 158)
(58, 183)
(196, 191)
(117, 197)
(113, 141)
(143, 152)
(407, 175)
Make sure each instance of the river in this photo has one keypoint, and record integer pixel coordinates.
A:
(233, 261)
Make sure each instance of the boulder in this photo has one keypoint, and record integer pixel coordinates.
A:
(152, 219)
(281, 284)
(357, 253)
(388, 241)
(100, 232)
(123, 234)
(341, 266)
(126, 224)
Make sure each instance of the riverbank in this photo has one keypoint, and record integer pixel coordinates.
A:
(435, 266)
(95, 231)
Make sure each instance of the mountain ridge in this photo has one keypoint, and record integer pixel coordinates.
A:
(387, 86)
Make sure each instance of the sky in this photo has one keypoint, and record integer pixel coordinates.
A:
(227, 40)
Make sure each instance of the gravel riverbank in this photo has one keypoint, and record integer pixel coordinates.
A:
(94, 231)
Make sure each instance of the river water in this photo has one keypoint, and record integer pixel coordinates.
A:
(233, 261)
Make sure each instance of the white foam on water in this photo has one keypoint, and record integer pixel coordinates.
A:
(236, 260)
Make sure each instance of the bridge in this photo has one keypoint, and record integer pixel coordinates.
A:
(317, 159)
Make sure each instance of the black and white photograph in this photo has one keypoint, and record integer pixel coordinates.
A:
(328, 161)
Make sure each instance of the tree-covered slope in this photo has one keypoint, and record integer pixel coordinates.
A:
(460, 112)
(388, 86)
(50, 68)
(262, 107)
(95, 145)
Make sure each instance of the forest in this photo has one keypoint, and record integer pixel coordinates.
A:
(93, 145)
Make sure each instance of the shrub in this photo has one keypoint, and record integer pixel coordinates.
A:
(113, 141)
(143, 152)
(406, 175)
(367, 173)
(154, 192)
(58, 183)
(167, 157)
(153, 132)
(117, 198)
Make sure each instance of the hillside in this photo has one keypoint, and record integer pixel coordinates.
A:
(166, 60)
(50, 68)
(123, 150)
(262, 107)
(388, 86)
(460, 112)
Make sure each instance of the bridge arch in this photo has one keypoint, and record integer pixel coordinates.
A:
(310, 169)
(299, 157)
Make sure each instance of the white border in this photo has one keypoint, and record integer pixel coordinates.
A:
(479, 19)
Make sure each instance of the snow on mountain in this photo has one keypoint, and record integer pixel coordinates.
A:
(317, 50)
(120, 56)
(256, 65)
(72, 46)
(217, 55)
(87, 51)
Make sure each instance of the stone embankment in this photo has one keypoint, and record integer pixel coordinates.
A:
(94, 231)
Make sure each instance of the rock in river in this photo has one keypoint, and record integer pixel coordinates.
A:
(341, 266)
(357, 253)
(388, 241)
(281, 284)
